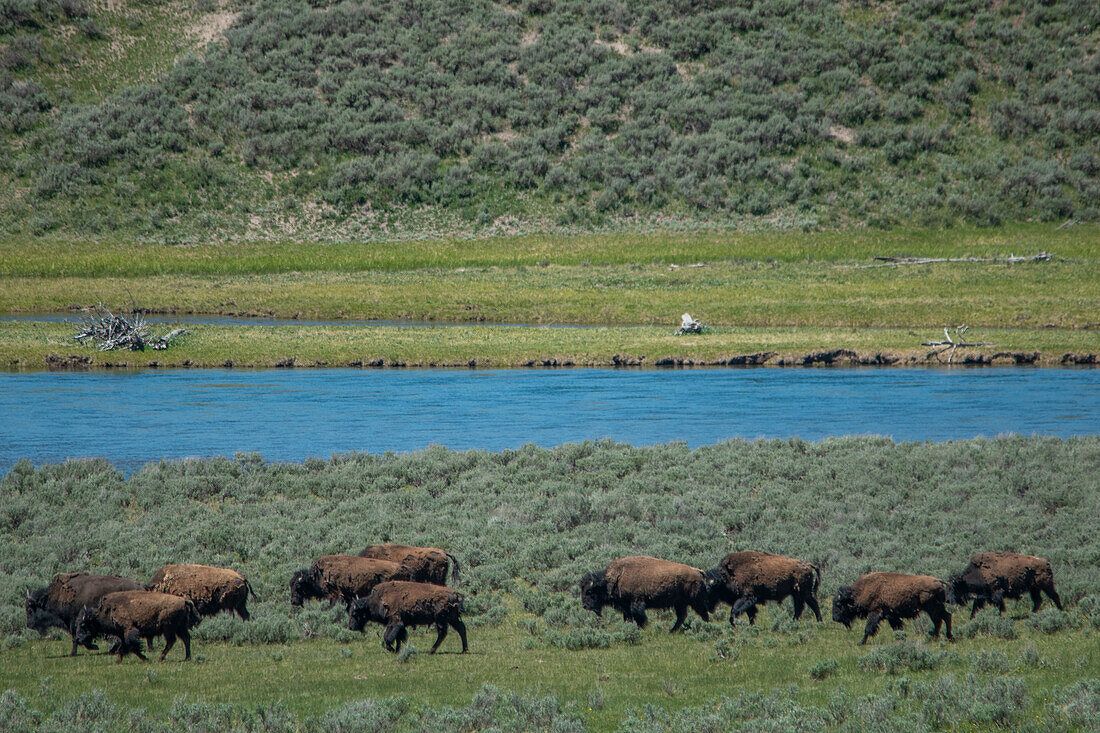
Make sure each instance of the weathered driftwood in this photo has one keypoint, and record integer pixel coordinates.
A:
(109, 331)
(950, 345)
(162, 343)
(1011, 259)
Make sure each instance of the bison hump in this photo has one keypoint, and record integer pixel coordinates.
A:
(203, 585)
(643, 576)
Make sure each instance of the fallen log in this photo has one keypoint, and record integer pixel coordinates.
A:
(889, 261)
(949, 344)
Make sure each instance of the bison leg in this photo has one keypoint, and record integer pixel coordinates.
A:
(940, 616)
(871, 628)
(131, 643)
(799, 606)
(812, 603)
(461, 629)
(169, 641)
(979, 603)
(999, 601)
(1053, 595)
(637, 611)
(395, 632)
(1036, 599)
(441, 627)
(700, 606)
(895, 623)
(743, 605)
(681, 614)
(185, 635)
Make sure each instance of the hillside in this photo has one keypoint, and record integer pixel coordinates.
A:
(315, 120)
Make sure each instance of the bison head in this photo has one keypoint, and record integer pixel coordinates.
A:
(718, 590)
(967, 585)
(594, 592)
(844, 606)
(360, 611)
(87, 627)
(303, 587)
(39, 616)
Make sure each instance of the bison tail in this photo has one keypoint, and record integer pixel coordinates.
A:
(193, 617)
(817, 578)
(250, 591)
(454, 566)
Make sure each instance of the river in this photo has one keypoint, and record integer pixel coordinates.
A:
(289, 415)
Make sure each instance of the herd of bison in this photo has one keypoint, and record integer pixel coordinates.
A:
(399, 586)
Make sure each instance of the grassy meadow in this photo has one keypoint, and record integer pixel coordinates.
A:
(791, 293)
(526, 524)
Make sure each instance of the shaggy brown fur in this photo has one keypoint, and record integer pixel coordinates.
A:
(425, 564)
(400, 604)
(59, 603)
(135, 614)
(745, 579)
(993, 576)
(343, 578)
(633, 584)
(892, 597)
(211, 589)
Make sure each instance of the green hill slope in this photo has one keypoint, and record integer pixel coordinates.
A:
(352, 119)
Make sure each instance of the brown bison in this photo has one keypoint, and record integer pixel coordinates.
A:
(399, 604)
(342, 578)
(630, 585)
(991, 577)
(135, 614)
(425, 564)
(59, 603)
(745, 579)
(211, 589)
(893, 597)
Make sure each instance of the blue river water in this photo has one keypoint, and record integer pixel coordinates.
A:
(290, 415)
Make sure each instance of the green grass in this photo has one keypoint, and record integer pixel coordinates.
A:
(27, 345)
(126, 258)
(671, 671)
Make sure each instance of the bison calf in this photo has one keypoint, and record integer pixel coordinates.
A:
(59, 603)
(342, 578)
(425, 564)
(892, 597)
(993, 576)
(632, 584)
(212, 590)
(400, 604)
(135, 614)
(745, 579)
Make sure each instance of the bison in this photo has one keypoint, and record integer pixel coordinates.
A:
(745, 579)
(893, 597)
(993, 576)
(212, 590)
(342, 578)
(399, 604)
(59, 603)
(425, 564)
(135, 614)
(632, 584)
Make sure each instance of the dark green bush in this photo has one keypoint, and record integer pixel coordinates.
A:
(590, 112)
(904, 655)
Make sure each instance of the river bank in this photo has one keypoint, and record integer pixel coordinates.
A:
(43, 345)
